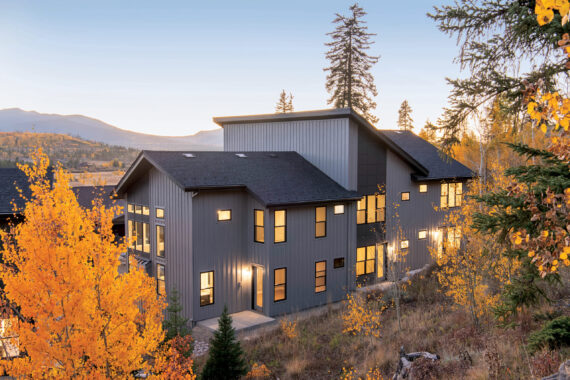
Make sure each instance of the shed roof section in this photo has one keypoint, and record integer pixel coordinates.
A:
(438, 167)
(12, 179)
(274, 178)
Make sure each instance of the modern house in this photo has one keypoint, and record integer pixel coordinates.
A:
(298, 210)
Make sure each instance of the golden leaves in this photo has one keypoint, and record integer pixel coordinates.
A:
(361, 317)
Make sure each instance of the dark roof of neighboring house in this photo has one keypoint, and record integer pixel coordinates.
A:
(274, 178)
(87, 194)
(438, 167)
(10, 180)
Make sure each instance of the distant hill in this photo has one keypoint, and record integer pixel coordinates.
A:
(17, 120)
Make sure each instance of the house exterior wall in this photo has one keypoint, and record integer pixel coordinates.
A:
(324, 143)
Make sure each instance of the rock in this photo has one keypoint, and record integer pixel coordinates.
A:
(405, 365)
(563, 372)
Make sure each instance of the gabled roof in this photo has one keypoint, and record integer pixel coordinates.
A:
(438, 167)
(274, 178)
(12, 179)
(87, 194)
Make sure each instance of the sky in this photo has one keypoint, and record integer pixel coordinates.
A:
(168, 67)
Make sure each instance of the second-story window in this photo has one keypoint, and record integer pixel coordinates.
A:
(224, 215)
(131, 208)
(259, 226)
(146, 237)
(160, 251)
(320, 221)
(361, 211)
(280, 226)
(371, 209)
(160, 279)
(451, 194)
(338, 209)
(405, 196)
(139, 236)
(131, 233)
(423, 188)
(159, 213)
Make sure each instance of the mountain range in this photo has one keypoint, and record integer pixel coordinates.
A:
(17, 120)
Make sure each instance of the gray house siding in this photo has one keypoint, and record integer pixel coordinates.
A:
(324, 143)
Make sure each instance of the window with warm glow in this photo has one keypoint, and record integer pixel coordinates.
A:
(224, 215)
(160, 279)
(365, 260)
(145, 210)
(371, 209)
(338, 209)
(280, 284)
(320, 221)
(259, 226)
(404, 244)
(131, 208)
(280, 226)
(423, 188)
(422, 234)
(361, 211)
(381, 207)
(131, 233)
(380, 260)
(451, 194)
(138, 209)
(159, 213)
(320, 276)
(160, 251)
(405, 196)
(139, 236)
(146, 237)
(206, 288)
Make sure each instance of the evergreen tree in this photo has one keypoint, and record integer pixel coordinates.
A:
(496, 38)
(175, 324)
(405, 121)
(225, 361)
(284, 104)
(349, 80)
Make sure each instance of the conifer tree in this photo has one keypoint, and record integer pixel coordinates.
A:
(349, 80)
(405, 121)
(285, 103)
(226, 359)
(428, 133)
(175, 324)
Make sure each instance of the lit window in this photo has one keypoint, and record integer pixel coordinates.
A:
(145, 210)
(422, 234)
(365, 260)
(320, 276)
(146, 237)
(320, 221)
(280, 284)
(451, 194)
(259, 226)
(404, 244)
(160, 252)
(138, 209)
(454, 237)
(139, 235)
(206, 288)
(339, 209)
(131, 233)
(423, 188)
(380, 261)
(131, 208)
(381, 207)
(224, 215)
(280, 226)
(406, 196)
(160, 279)
(159, 213)
(361, 211)
(338, 262)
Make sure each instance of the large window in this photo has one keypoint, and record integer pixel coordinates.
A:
(280, 226)
(146, 237)
(224, 215)
(320, 276)
(259, 226)
(160, 251)
(139, 236)
(365, 260)
(451, 194)
(206, 288)
(131, 233)
(280, 284)
(320, 221)
(371, 209)
(448, 238)
(160, 279)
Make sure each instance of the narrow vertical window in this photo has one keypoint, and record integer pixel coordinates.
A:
(338, 209)
(451, 192)
(160, 252)
(370, 258)
(423, 188)
(259, 226)
(405, 196)
(370, 209)
(381, 207)
(361, 211)
(280, 284)
(443, 199)
(159, 213)
(224, 215)
(380, 261)
(360, 261)
(139, 235)
(320, 276)
(160, 279)
(130, 233)
(320, 221)
(206, 288)
(280, 226)
(458, 193)
(146, 237)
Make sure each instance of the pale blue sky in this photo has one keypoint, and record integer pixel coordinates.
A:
(168, 67)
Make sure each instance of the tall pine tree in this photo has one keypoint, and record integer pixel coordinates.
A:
(175, 324)
(405, 121)
(349, 80)
(226, 361)
(285, 103)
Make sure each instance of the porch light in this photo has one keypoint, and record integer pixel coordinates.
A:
(246, 273)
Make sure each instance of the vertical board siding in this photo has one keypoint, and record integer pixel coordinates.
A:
(324, 143)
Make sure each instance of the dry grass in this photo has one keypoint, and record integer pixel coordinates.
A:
(429, 323)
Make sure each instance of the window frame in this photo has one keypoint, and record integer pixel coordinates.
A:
(256, 226)
(158, 280)
(284, 226)
(445, 199)
(366, 262)
(319, 222)
(337, 260)
(218, 213)
(157, 227)
(402, 196)
(284, 284)
(423, 185)
(213, 298)
(321, 274)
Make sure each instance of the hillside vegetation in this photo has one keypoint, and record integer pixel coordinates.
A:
(73, 153)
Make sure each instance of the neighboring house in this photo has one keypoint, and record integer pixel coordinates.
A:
(87, 194)
(299, 209)
(12, 179)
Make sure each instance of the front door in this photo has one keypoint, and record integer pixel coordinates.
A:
(257, 282)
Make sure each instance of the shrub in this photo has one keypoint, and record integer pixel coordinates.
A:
(555, 334)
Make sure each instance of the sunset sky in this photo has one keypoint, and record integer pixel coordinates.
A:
(168, 67)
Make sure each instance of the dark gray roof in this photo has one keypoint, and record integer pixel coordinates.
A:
(422, 151)
(87, 194)
(10, 180)
(274, 178)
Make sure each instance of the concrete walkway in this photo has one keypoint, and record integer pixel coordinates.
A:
(244, 320)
